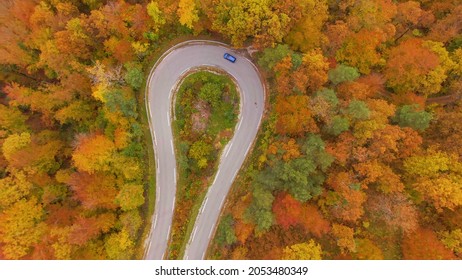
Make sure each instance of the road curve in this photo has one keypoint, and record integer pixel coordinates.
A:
(163, 79)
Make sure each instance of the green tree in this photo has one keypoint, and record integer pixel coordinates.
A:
(120, 101)
(358, 110)
(301, 177)
(411, 116)
(211, 92)
(343, 73)
(134, 75)
(315, 148)
(225, 231)
(259, 212)
(271, 56)
(199, 149)
(328, 95)
(338, 125)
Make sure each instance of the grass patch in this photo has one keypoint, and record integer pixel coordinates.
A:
(206, 111)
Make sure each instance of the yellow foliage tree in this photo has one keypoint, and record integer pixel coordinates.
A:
(14, 143)
(130, 196)
(307, 32)
(453, 240)
(156, 15)
(94, 153)
(241, 19)
(438, 177)
(13, 187)
(119, 246)
(188, 12)
(367, 250)
(344, 238)
(21, 227)
(303, 251)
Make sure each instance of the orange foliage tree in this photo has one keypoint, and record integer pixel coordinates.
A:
(294, 117)
(424, 245)
(93, 153)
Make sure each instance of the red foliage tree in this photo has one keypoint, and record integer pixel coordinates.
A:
(94, 190)
(287, 210)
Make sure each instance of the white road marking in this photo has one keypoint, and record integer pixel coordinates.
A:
(239, 125)
(228, 149)
(149, 246)
(202, 207)
(171, 142)
(194, 233)
(205, 202)
(210, 233)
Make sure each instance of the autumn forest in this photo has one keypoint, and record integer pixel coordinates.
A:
(359, 155)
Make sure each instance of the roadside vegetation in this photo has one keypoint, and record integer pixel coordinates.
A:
(206, 110)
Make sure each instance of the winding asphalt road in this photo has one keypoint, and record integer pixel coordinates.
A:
(164, 77)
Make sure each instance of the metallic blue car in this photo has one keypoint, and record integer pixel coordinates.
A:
(229, 57)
